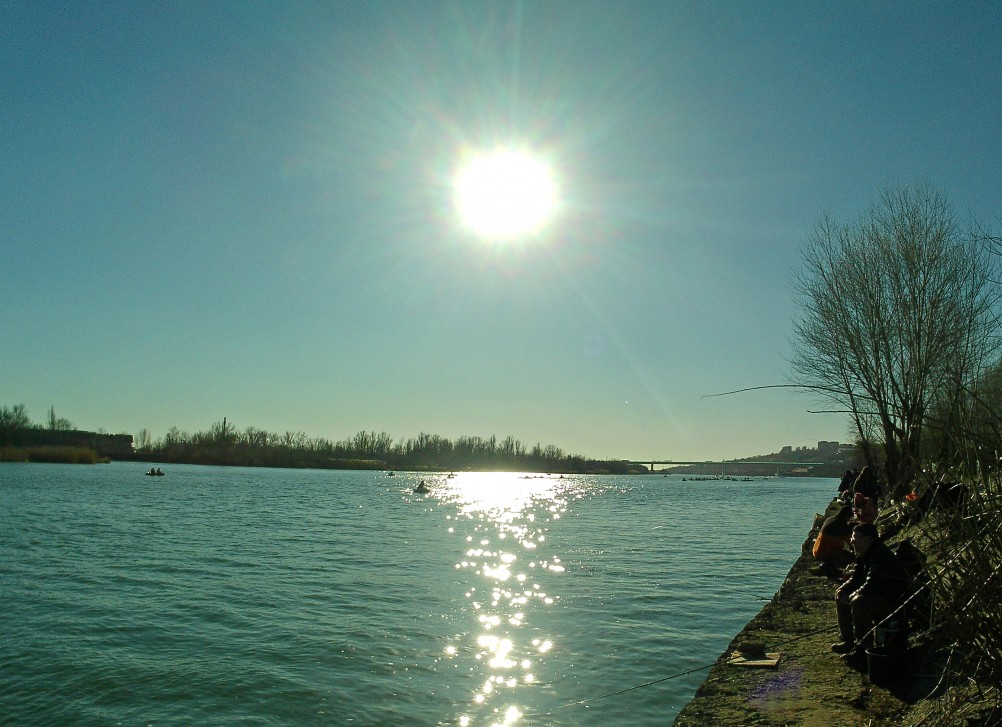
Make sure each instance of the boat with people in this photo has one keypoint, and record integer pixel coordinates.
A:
(422, 488)
(155, 472)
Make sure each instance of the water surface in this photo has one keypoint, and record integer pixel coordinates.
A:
(222, 595)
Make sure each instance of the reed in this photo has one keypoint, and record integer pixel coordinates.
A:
(957, 528)
(51, 454)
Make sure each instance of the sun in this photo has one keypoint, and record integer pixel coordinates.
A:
(504, 194)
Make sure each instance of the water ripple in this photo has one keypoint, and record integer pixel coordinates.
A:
(278, 597)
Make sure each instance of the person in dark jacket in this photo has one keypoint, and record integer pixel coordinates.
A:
(867, 485)
(872, 593)
(845, 486)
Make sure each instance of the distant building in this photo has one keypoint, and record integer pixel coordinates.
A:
(826, 449)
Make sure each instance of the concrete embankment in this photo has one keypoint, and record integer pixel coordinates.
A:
(809, 685)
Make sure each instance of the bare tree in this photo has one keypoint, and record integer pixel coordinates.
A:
(57, 424)
(14, 418)
(897, 310)
(223, 434)
(144, 440)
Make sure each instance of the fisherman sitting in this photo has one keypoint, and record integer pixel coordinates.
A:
(864, 508)
(845, 486)
(870, 596)
(831, 545)
(867, 485)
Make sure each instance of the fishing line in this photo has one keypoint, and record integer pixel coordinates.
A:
(791, 640)
(683, 673)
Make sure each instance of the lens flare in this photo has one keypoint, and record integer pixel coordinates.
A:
(504, 194)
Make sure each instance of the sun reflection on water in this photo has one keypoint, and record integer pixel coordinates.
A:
(503, 519)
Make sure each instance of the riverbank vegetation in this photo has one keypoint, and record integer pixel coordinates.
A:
(901, 325)
(956, 527)
(950, 676)
(56, 440)
(223, 443)
(900, 329)
(58, 455)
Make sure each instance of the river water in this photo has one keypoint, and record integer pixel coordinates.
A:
(225, 595)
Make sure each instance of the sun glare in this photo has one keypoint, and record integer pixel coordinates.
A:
(504, 194)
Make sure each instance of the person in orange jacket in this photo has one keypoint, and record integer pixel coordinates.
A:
(831, 545)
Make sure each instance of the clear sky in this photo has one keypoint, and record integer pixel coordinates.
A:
(245, 209)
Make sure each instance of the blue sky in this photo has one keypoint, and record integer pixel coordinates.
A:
(244, 209)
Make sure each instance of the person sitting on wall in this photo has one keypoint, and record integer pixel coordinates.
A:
(830, 547)
(866, 484)
(874, 591)
(845, 486)
(864, 508)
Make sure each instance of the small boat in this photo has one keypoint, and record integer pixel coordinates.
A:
(155, 472)
(422, 488)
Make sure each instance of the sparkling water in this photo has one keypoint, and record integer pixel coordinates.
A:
(225, 595)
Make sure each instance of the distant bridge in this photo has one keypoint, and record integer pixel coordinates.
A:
(722, 463)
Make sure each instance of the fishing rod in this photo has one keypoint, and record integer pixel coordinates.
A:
(680, 674)
(732, 659)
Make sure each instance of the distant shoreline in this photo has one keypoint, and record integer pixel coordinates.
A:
(52, 454)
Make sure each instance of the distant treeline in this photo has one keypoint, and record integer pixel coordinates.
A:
(21, 440)
(223, 444)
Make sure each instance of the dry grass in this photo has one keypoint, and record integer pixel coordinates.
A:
(58, 455)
